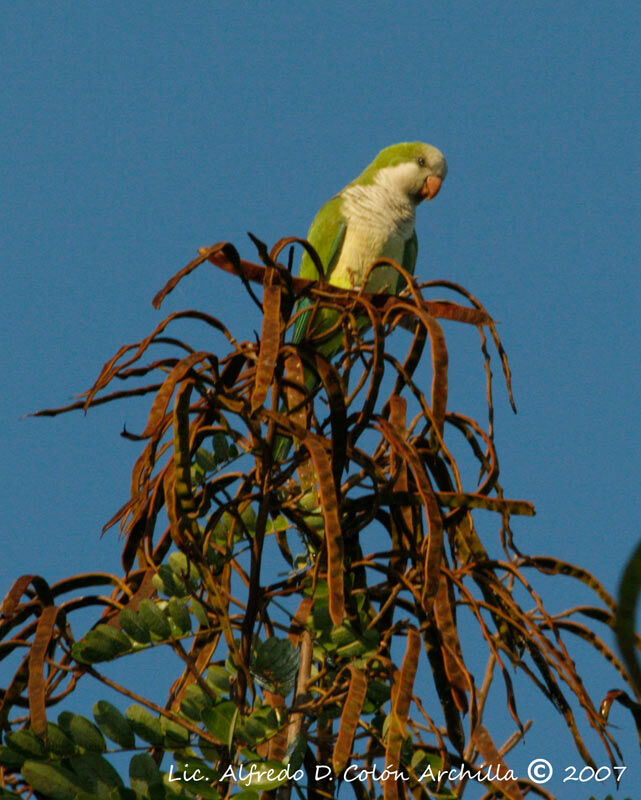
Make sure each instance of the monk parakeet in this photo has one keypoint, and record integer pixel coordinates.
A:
(371, 218)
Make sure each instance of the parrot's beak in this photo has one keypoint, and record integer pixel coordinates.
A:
(431, 187)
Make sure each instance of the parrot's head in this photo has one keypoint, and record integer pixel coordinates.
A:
(413, 168)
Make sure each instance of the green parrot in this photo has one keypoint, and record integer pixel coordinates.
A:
(373, 217)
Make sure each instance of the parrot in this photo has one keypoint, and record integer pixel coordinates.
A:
(373, 217)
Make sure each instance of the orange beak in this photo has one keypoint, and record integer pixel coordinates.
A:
(431, 187)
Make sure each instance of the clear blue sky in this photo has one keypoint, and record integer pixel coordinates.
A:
(132, 134)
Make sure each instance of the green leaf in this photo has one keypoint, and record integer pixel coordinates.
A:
(378, 693)
(221, 720)
(58, 742)
(184, 569)
(179, 613)
(263, 775)
(342, 635)
(319, 620)
(259, 726)
(114, 724)
(194, 701)
(154, 619)
(133, 625)
(206, 460)
(97, 773)
(167, 582)
(350, 644)
(246, 525)
(199, 612)
(209, 752)
(25, 742)
(145, 724)
(103, 643)
(274, 664)
(248, 516)
(281, 523)
(175, 735)
(197, 475)
(195, 784)
(145, 777)
(55, 782)
(113, 634)
(83, 732)
(221, 446)
(422, 760)
(219, 679)
(11, 758)
(123, 793)
(230, 665)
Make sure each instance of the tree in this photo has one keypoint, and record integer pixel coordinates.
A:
(302, 681)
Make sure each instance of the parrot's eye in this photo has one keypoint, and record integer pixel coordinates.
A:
(421, 161)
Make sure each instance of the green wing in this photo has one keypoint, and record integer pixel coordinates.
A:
(326, 235)
(410, 254)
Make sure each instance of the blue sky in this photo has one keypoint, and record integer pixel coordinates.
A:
(132, 134)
